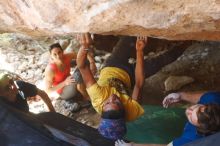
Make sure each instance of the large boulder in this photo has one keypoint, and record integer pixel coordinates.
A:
(200, 62)
(185, 20)
(176, 82)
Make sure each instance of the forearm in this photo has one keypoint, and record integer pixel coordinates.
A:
(192, 97)
(46, 99)
(136, 93)
(84, 69)
(81, 58)
(139, 75)
(50, 89)
(92, 65)
(139, 69)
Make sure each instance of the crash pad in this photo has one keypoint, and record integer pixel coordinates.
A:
(157, 125)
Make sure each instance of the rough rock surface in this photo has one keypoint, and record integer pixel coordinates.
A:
(185, 19)
(176, 82)
(200, 61)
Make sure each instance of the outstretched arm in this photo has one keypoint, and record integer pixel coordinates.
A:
(87, 75)
(191, 97)
(139, 69)
(46, 99)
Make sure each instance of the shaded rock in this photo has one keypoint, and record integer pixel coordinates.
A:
(154, 89)
(21, 47)
(203, 68)
(176, 82)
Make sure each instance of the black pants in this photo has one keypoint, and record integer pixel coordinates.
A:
(120, 55)
(125, 48)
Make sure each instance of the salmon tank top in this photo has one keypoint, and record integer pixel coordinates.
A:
(60, 76)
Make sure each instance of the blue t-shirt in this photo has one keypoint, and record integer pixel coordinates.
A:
(190, 133)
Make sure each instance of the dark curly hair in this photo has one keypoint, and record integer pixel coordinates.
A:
(209, 119)
(56, 45)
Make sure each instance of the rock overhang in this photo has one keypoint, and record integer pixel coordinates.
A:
(167, 19)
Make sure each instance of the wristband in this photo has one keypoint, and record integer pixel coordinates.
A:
(87, 49)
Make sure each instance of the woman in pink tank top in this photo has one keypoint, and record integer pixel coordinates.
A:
(57, 75)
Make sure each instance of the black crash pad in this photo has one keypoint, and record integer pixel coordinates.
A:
(46, 129)
(16, 131)
(64, 127)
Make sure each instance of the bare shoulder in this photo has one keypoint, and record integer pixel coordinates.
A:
(48, 68)
(49, 71)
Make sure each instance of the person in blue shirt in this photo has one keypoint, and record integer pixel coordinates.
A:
(203, 117)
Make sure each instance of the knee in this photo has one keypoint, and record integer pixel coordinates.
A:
(69, 91)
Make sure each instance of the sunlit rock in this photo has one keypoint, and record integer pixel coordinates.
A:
(185, 20)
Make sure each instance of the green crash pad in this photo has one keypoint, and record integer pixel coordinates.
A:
(157, 125)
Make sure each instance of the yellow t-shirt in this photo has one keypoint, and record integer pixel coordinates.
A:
(100, 91)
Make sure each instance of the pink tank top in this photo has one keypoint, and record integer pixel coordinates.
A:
(60, 76)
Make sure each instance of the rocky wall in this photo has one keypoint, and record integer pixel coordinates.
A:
(168, 19)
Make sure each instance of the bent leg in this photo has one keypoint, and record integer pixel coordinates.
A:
(120, 55)
(122, 51)
(69, 91)
(82, 89)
